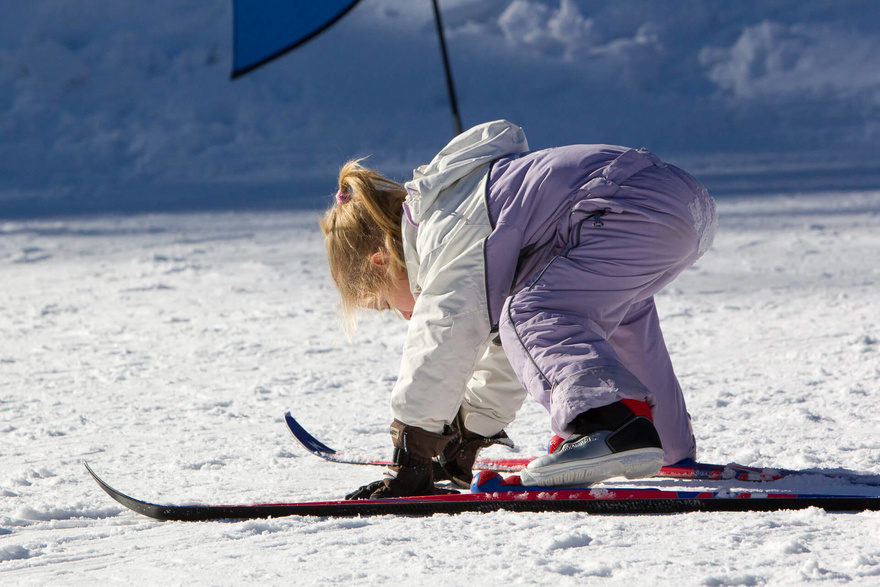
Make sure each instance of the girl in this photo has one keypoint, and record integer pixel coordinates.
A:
(524, 272)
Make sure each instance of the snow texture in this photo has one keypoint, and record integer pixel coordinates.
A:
(705, 221)
(164, 349)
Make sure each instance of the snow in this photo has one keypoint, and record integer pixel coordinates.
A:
(164, 347)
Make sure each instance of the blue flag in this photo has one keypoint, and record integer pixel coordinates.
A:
(266, 29)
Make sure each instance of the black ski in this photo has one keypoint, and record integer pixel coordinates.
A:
(604, 500)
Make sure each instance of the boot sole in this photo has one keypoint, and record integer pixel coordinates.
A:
(632, 464)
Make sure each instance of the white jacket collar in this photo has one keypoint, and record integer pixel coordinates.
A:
(471, 149)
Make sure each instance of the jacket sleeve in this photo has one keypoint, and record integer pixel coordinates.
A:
(447, 333)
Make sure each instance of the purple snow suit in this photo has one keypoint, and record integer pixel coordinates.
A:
(599, 229)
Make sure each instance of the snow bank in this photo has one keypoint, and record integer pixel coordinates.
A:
(108, 105)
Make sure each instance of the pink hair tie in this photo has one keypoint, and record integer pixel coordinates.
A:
(342, 197)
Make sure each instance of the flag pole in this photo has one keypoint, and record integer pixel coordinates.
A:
(450, 86)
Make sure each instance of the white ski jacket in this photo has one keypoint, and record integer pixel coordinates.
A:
(448, 352)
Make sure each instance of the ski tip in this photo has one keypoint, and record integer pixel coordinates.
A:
(102, 484)
(304, 438)
(89, 469)
(98, 480)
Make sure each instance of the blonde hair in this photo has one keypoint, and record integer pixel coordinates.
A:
(364, 219)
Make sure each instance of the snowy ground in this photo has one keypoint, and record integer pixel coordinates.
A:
(164, 350)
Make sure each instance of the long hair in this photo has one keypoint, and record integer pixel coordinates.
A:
(364, 219)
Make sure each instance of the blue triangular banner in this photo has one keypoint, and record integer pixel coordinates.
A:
(266, 29)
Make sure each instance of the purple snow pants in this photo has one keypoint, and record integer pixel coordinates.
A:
(584, 332)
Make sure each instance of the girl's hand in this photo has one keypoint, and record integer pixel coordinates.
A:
(366, 491)
(404, 482)
(413, 471)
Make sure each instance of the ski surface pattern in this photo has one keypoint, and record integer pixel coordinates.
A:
(603, 500)
(682, 470)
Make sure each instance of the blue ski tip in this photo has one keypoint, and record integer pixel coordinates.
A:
(304, 438)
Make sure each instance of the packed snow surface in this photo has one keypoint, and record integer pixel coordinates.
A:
(165, 349)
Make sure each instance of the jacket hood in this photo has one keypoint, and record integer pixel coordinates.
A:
(477, 146)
